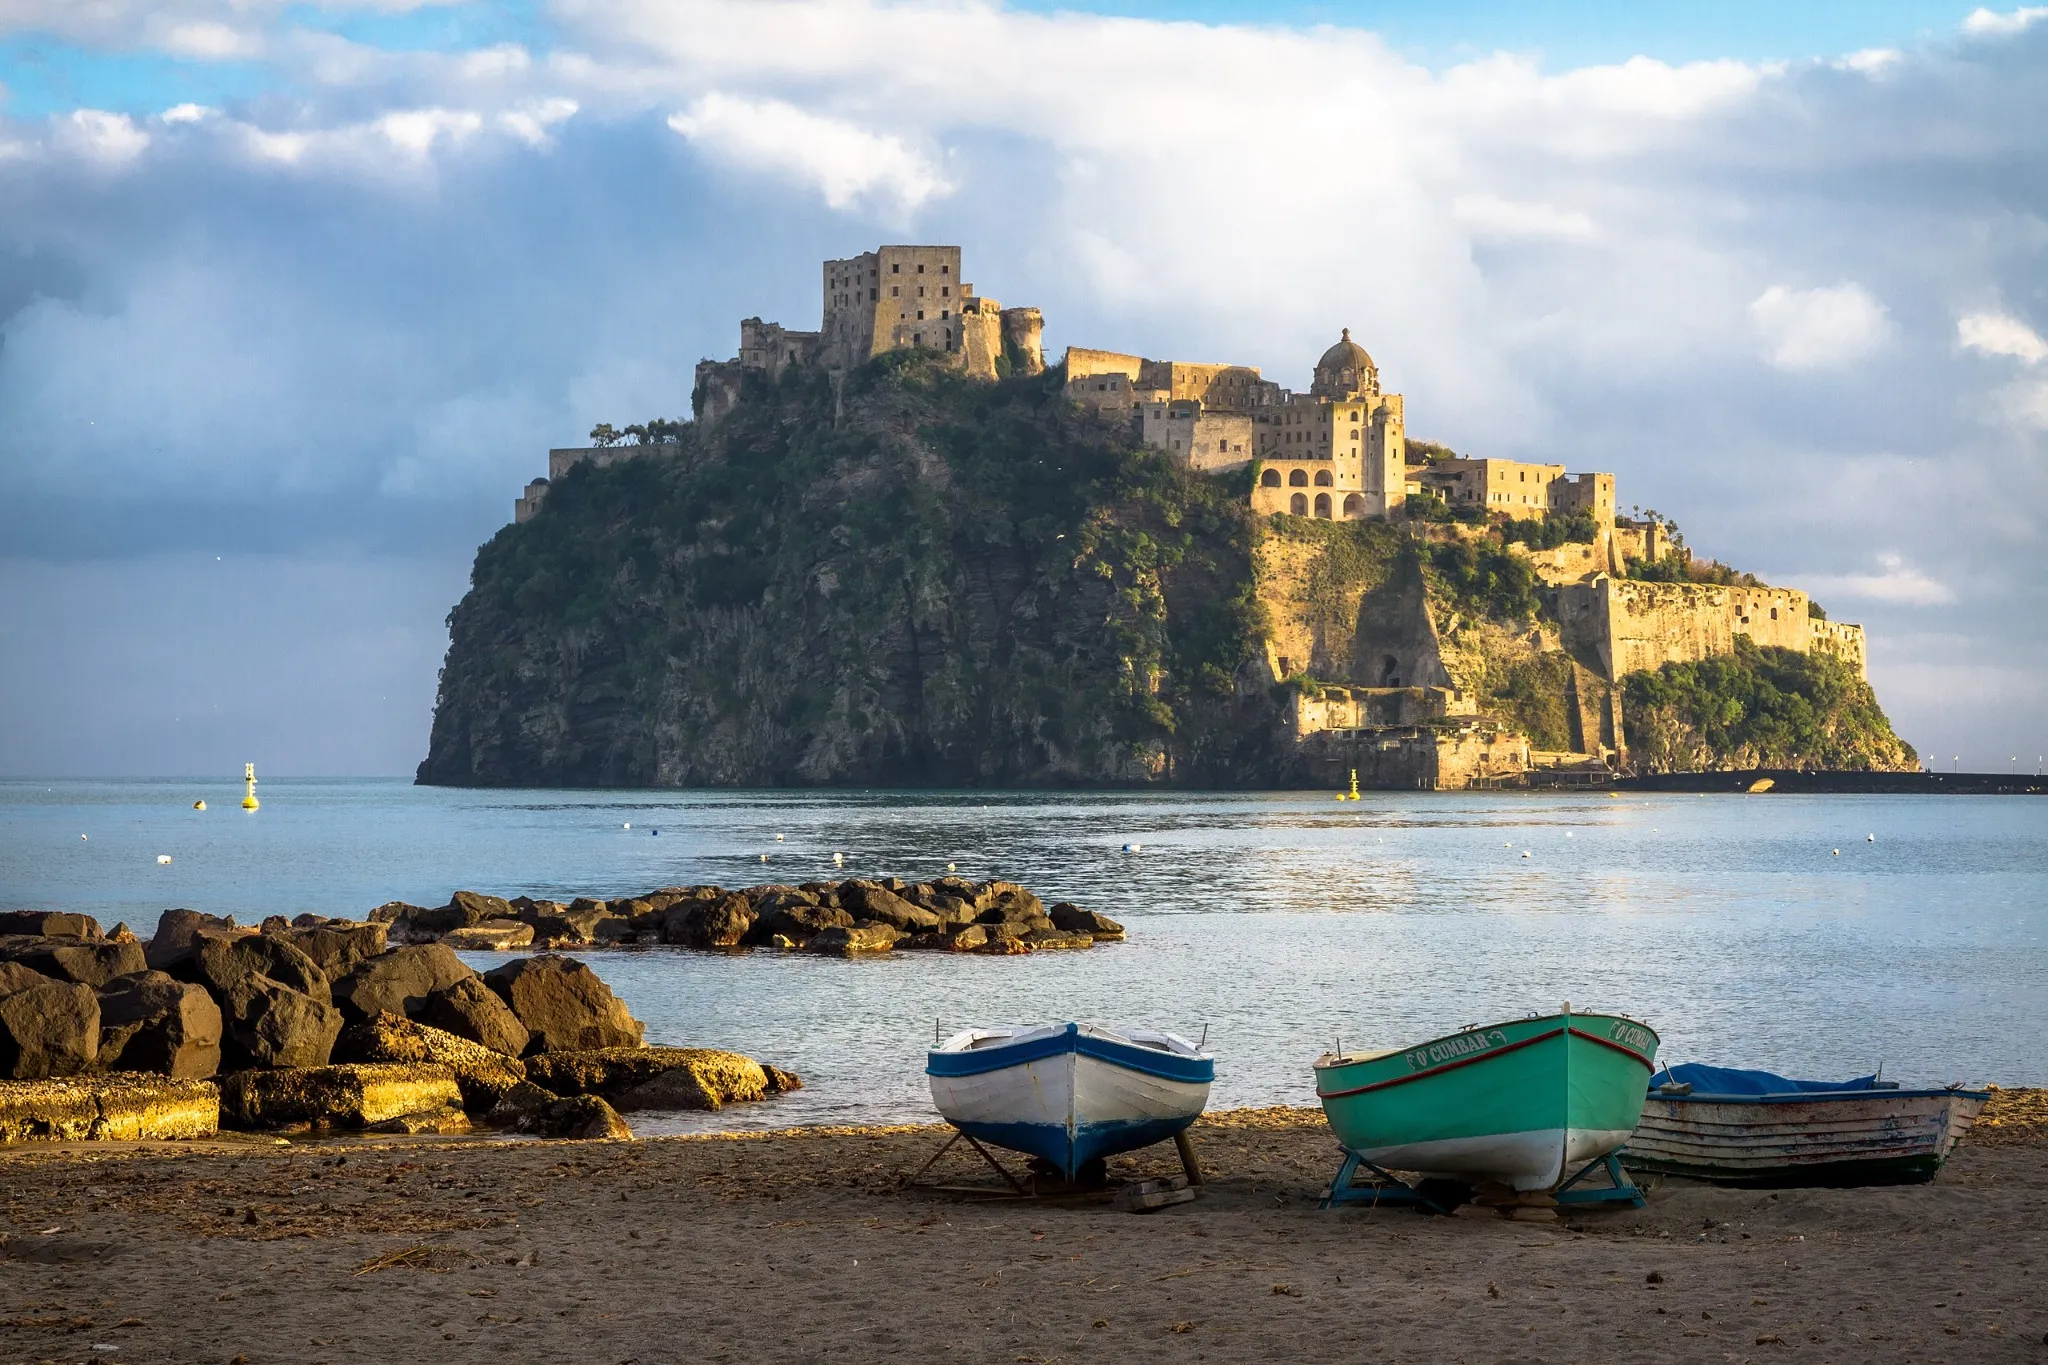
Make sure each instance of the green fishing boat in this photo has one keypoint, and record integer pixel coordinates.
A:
(1519, 1104)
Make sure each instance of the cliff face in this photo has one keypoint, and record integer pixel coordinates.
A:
(922, 580)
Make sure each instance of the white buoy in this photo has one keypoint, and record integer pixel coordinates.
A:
(949, 867)
(83, 836)
(1526, 853)
(627, 825)
(764, 857)
(838, 858)
(1870, 838)
(1838, 853)
(163, 857)
(778, 838)
(1567, 834)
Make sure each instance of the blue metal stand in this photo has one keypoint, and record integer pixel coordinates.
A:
(1385, 1189)
(1624, 1190)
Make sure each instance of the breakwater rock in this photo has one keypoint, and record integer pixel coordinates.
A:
(319, 1024)
(846, 918)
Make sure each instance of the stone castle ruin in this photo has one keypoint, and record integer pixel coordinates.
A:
(1382, 682)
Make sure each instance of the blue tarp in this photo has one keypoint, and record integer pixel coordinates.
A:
(1728, 1080)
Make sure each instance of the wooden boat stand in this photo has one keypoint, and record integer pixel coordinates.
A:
(1138, 1196)
(1385, 1189)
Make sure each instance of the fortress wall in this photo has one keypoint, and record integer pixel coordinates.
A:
(981, 338)
(1024, 340)
(1416, 759)
(1357, 708)
(1842, 640)
(1633, 626)
(562, 459)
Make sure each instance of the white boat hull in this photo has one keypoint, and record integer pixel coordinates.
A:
(1841, 1138)
(1534, 1160)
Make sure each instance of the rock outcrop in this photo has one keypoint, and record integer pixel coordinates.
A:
(400, 980)
(348, 1095)
(151, 1021)
(660, 1077)
(484, 1076)
(48, 1030)
(563, 1005)
(124, 1107)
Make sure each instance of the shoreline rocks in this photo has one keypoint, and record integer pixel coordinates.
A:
(319, 1025)
(857, 917)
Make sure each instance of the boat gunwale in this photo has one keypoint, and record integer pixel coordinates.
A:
(1196, 1069)
(1330, 1062)
(1819, 1096)
(1473, 1059)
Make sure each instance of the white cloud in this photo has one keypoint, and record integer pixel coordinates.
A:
(186, 113)
(531, 123)
(1999, 334)
(1992, 22)
(1506, 220)
(1872, 61)
(416, 130)
(2024, 404)
(1818, 329)
(845, 163)
(1896, 582)
(98, 136)
(211, 42)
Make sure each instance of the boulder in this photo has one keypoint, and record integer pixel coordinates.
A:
(583, 1116)
(614, 929)
(954, 912)
(492, 936)
(121, 933)
(1003, 940)
(177, 934)
(269, 1024)
(447, 1118)
(484, 1077)
(470, 1009)
(873, 901)
(1075, 920)
(225, 965)
(564, 1005)
(463, 910)
(871, 937)
(797, 920)
(15, 977)
(399, 980)
(964, 940)
(518, 1102)
(660, 1077)
(49, 924)
(124, 1107)
(49, 1030)
(309, 920)
(1010, 896)
(392, 911)
(718, 923)
(350, 1095)
(152, 1021)
(89, 961)
(336, 946)
(1049, 937)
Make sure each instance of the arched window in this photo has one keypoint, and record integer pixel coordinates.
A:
(1270, 479)
(1297, 478)
(1323, 506)
(1353, 504)
(1298, 504)
(1322, 478)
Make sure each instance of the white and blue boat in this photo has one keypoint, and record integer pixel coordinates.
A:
(1069, 1093)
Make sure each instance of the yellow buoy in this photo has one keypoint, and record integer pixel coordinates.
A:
(198, 805)
(249, 776)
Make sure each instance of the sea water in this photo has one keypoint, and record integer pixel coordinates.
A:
(1820, 936)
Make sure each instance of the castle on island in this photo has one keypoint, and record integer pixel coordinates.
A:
(1399, 708)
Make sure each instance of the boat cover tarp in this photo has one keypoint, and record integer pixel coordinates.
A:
(1728, 1080)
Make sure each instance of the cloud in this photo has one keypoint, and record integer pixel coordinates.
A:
(1818, 329)
(532, 124)
(1895, 582)
(843, 162)
(96, 136)
(1504, 220)
(1985, 22)
(212, 42)
(1999, 334)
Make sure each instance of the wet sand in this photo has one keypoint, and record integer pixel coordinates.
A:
(804, 1245)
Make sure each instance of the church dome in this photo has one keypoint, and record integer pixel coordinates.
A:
(1346, 371)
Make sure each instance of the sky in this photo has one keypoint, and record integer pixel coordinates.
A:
(294, 297)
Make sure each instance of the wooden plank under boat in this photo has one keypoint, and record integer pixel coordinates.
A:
(1870, 1135)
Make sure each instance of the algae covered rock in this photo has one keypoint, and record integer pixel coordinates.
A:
(579, 1116)
(152, 1021)
(49, 1030)
(484, 1076)
(348, 1095)
(123, 1106)
(492, 936)
(660, 1077)
(861, 938)
(563, 1005)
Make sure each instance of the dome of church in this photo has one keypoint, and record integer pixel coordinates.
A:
(1346, 371)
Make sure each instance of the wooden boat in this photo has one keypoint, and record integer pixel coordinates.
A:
(1521, 1104)
(1753, 1128)
(1069, 1093)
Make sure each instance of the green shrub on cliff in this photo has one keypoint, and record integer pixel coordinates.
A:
(920, 579)
(1484, 579)
(1759, 708)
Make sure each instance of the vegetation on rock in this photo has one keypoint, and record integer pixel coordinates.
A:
(1759, 708)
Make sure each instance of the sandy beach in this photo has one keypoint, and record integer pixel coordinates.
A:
(804, 1245)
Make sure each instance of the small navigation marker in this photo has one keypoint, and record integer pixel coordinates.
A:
(1870, 838)
(163, 858)
(249, 801)
(198, 805)
(627, 825)
(778, 838)
(838, 858)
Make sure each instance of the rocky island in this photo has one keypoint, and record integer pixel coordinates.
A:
(902, 551)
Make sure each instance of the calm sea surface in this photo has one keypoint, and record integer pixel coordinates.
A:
(1761, 930)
